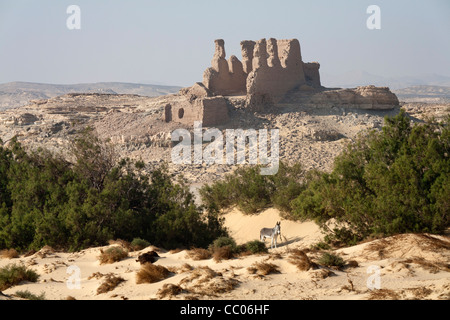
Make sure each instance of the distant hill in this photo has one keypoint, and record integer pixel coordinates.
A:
(436, 94)
(361, 78)
(16, 94)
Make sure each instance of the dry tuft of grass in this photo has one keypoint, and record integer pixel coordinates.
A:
(110, 283)
(198, 254)
(434, 244)
(421, 293)
(431, 266)
(96, 275)
(205, 281)
(169, 290)
(300, 260)
(113, 254)
(201, 274)
(9, 254)
(150, 273)
(352, 264)
(384, 294)
(263, 268)
(222, 253)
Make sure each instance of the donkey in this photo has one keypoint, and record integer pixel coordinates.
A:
(271, 233)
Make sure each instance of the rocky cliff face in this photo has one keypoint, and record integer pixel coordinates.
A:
(366, 98)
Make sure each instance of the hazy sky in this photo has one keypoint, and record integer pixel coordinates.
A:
(171, 41)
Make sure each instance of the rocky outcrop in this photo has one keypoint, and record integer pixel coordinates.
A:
(365, 97)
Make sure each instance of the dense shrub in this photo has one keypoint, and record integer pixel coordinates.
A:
(112, 254)
(256, 246)
(331, 260)
(139, 244)
(252, 192)
(46, 200)
(392, 181)
(224, 242)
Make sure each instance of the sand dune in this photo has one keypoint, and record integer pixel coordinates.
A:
(406, 266)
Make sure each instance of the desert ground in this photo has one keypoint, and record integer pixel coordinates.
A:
(407, 266)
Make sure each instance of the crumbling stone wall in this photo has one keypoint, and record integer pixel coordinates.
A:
(269, 69)
(225, 77)
(312, 75)
(197, 103)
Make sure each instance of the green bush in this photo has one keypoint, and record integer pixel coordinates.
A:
(13, 274)
(331, 260)
(386, 182)
(139, 244)
(46, 200)
(256, 246)
(29, 296)
(224, 242)
(252, 192)
(113, 254)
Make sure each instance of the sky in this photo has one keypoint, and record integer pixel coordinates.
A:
(172, 41)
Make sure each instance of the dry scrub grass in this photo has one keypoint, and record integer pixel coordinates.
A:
(110, 283)
(384, 294)
(263, 268)
(431, 266)
(207, 282)
(222, 253)
(9, 254)
(398, 245)
(150, 273)
(169, 290)
(111, 255)
(421, 293)
(198, 254)
(300, 260)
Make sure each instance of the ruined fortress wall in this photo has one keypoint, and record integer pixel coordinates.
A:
(277, 68)
(312, 75)
(210, 111)
(224, 77)
(215, 111)
(182, 112)
(269, 67)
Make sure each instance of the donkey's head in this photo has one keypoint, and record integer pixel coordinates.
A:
(278, 228)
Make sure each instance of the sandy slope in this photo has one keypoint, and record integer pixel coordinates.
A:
(409, 267)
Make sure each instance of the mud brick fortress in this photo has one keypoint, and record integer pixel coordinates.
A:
(271, 71)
